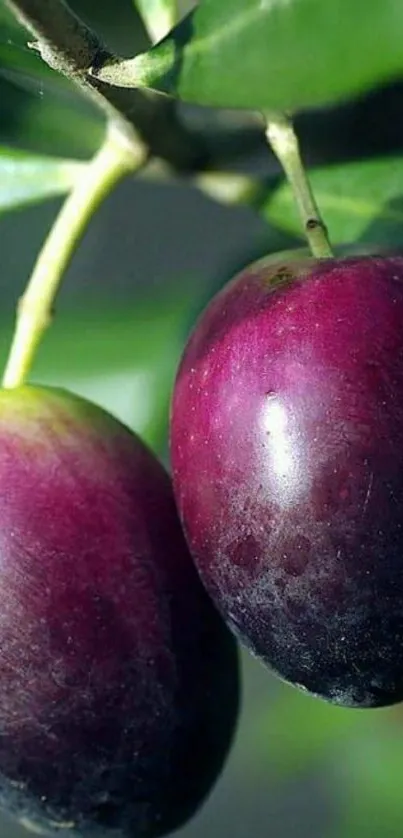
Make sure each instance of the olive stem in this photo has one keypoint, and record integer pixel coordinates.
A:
(283, 140)
(115, 159)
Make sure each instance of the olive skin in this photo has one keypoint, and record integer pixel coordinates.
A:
(119, 683)
(287, 457)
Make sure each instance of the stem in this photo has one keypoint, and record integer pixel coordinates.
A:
(284, 142)
(54, 24)
(115, 159)
(70, 47)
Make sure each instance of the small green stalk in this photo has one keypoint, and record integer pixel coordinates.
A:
(284, 142)
(116, 158)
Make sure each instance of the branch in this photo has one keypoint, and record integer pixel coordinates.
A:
(68, 46)
(64, 41)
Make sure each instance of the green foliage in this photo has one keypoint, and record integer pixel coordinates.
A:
(51, 124)
(360, 201)
(17, 56)
(28, 178)
(45, 111)
(276, 54)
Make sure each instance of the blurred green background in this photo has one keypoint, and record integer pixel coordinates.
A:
(152, 257)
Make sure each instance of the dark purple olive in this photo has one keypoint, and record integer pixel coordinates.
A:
(118, 678)
(287, 453)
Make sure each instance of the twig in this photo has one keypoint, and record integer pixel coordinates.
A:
(70, 47)
(284, 142)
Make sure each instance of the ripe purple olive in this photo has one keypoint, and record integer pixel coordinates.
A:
(118, 678)
(287, 454)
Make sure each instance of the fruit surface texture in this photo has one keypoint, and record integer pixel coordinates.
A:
(118, 678)
(287, 454)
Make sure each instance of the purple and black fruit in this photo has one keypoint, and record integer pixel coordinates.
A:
(287, 453)
(118, 678)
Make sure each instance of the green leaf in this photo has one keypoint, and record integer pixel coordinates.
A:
(48, 124)
(40, 107)
(29, 178)
(16, 56)
(159, 16)
(7, 19)
(359, 201)
(274, 54)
